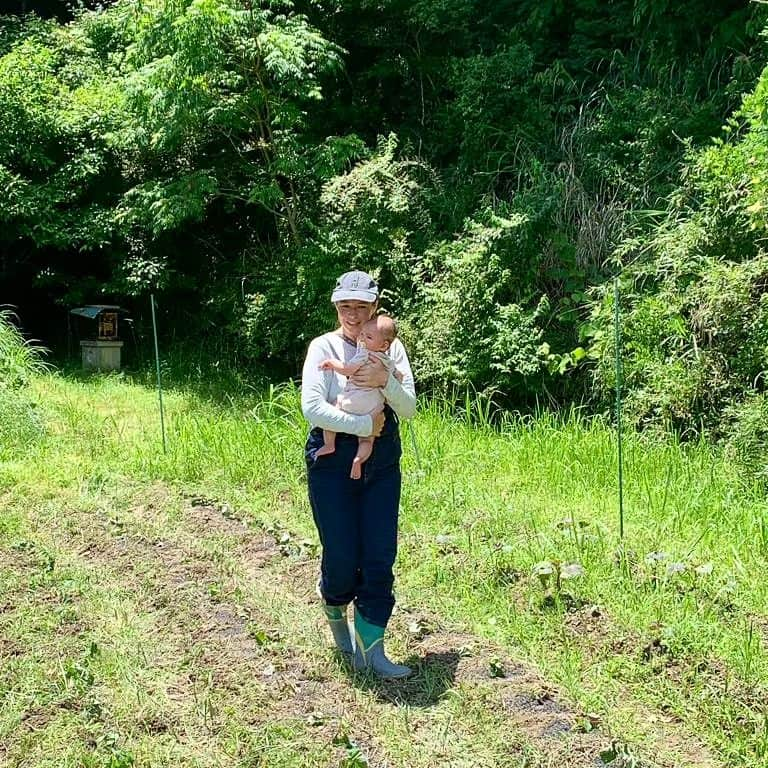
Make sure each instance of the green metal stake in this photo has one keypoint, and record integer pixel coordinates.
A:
(157, 366)
(617, 321)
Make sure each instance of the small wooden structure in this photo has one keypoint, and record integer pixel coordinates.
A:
(103, 352)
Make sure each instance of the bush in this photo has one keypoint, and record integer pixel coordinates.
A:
(747, 442)
(478, 325)
(374, 217)
(20, 424)
(19, 360)
(695, 339)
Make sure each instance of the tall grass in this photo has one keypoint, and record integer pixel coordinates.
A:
(19, 360)
(20, 424)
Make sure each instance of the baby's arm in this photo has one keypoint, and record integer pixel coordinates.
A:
(330, 364)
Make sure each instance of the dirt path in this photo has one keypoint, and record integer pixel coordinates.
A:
(233, 658)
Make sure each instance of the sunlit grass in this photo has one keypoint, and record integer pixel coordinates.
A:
(486, 498)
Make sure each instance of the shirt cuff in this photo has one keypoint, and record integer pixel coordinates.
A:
(392, 386)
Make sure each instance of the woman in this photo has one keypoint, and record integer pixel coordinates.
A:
(356, 519)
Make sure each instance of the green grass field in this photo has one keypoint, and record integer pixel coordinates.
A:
(158, 608)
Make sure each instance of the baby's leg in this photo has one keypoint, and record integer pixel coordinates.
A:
(364, 451)
(329, 444)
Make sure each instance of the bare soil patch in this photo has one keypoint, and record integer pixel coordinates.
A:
(533, 706)
(232, 647)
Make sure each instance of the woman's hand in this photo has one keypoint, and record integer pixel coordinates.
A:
(373, 374)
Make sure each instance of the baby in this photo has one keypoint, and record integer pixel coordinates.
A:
(376, 336)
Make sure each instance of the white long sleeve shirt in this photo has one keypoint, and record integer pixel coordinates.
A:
(319, 389)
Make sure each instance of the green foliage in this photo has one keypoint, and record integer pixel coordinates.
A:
(696, 290)
(19, 360)
(483, 159)
(130, 125)
(694, 339)
(372, 209)
(14, 29)
(379, 215)
(495, 116)
(374, 217)
(20, 424)
(478, 322)
(747, 442)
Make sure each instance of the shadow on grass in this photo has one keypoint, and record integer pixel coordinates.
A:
(433, 674)
(214, 384)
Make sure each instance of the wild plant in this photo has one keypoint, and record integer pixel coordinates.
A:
(19, 359)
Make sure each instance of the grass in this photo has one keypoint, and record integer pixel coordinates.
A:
(142, 627)
(19, 361)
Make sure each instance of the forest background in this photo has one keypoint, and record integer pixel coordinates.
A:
(496, 164)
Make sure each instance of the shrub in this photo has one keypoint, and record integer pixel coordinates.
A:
(374, 217)
(747, 442)
(20, 424)
(478, 325)
(694, 328)
(18, 359)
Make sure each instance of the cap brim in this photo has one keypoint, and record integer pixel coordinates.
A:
(341, 295)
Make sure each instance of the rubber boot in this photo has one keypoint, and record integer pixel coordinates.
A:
(337, 621)
(369, 651)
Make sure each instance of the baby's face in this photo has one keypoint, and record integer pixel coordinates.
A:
(374, 338)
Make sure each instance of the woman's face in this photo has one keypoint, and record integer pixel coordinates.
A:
(353, 315)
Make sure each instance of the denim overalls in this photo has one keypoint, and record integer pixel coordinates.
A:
(357, 519)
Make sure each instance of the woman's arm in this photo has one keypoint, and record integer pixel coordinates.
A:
(315, 386)
(401, 396)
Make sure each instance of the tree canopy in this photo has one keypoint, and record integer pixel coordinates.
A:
(495, 163)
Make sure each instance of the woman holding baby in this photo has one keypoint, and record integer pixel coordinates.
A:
(356, 510)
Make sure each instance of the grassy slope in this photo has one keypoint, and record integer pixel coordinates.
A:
(139, 626)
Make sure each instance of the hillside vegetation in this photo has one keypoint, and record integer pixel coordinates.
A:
(496, 163)
(507, 169)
